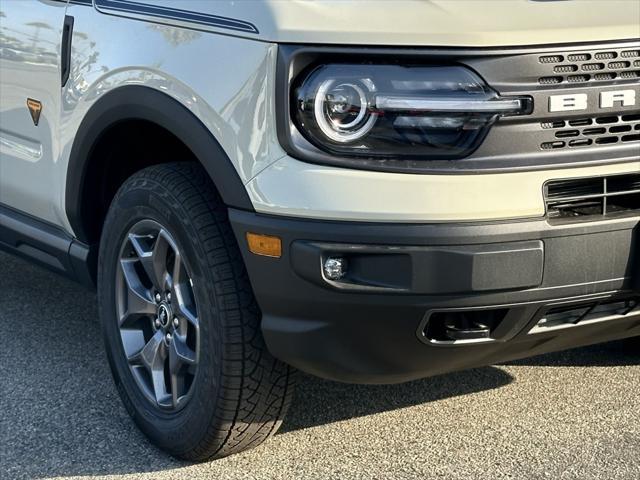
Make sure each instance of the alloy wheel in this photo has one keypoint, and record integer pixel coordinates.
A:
(157, 315)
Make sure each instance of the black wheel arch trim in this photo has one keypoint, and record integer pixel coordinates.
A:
(134, 102)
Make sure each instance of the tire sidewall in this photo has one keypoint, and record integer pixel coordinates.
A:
(139, 200)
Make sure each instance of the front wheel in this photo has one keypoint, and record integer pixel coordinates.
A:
(180, 323)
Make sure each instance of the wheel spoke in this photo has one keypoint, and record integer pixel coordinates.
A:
(186, 312)
(176, 270)
(180, 354)
(138, 298)
(153, 258)
(161, 250)
(174, 390)
(159, 387)
(152, 355)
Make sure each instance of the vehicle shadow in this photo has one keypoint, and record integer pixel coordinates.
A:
(334, 402)
(61, 415)
(319, 402)
(613, 354)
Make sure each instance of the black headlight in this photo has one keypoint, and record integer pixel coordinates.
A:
(395, 111)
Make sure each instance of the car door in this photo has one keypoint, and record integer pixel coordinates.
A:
(30, 92)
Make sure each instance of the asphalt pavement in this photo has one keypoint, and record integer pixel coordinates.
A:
(570, 415)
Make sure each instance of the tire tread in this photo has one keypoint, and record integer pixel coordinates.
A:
(255, 388)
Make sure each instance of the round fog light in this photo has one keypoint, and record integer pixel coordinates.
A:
(335, 268)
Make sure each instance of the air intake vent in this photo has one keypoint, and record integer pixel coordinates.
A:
(586, 313)
(592, 198)
(595, 131)
(596, 67)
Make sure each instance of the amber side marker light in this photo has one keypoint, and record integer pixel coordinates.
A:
(264, 245)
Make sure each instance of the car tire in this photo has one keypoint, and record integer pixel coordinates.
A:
(202, 384)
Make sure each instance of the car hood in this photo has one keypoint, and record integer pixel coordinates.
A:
(468, 23)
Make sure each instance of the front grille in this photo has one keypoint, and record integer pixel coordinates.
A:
(592, 198)
(581, 67)
(594, 131)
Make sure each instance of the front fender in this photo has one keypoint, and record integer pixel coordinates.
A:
(187, 81)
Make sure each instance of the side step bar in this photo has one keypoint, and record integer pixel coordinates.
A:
(47, 245)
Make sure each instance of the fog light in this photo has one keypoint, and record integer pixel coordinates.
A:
(335, 268)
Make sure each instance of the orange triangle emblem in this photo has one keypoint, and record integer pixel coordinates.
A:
(35, 108)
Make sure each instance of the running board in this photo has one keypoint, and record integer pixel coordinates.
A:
(46, 245)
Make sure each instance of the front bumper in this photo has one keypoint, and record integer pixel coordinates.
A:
(376, 326)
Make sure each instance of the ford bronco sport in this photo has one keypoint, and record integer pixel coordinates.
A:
(362, 191)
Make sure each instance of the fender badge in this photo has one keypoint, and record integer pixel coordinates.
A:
(35, 108)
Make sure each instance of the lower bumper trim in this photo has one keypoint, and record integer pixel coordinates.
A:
(376, 334)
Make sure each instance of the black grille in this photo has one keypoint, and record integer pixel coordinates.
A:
(584, 313)
(592, 198)
(594, 131)
(584, 67)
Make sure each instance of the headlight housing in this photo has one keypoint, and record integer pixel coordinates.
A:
(394, 111)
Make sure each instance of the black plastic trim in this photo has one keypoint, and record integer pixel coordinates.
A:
(65, 61)
(46, 245)
(144, 103)
(420, 269)
(364, 335)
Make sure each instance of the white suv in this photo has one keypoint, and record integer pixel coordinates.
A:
(369, 192)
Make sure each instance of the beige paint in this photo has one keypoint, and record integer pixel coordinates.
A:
(293, 188)
(474, 23)
(229, 83)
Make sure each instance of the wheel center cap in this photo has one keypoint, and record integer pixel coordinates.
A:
(164, 314)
